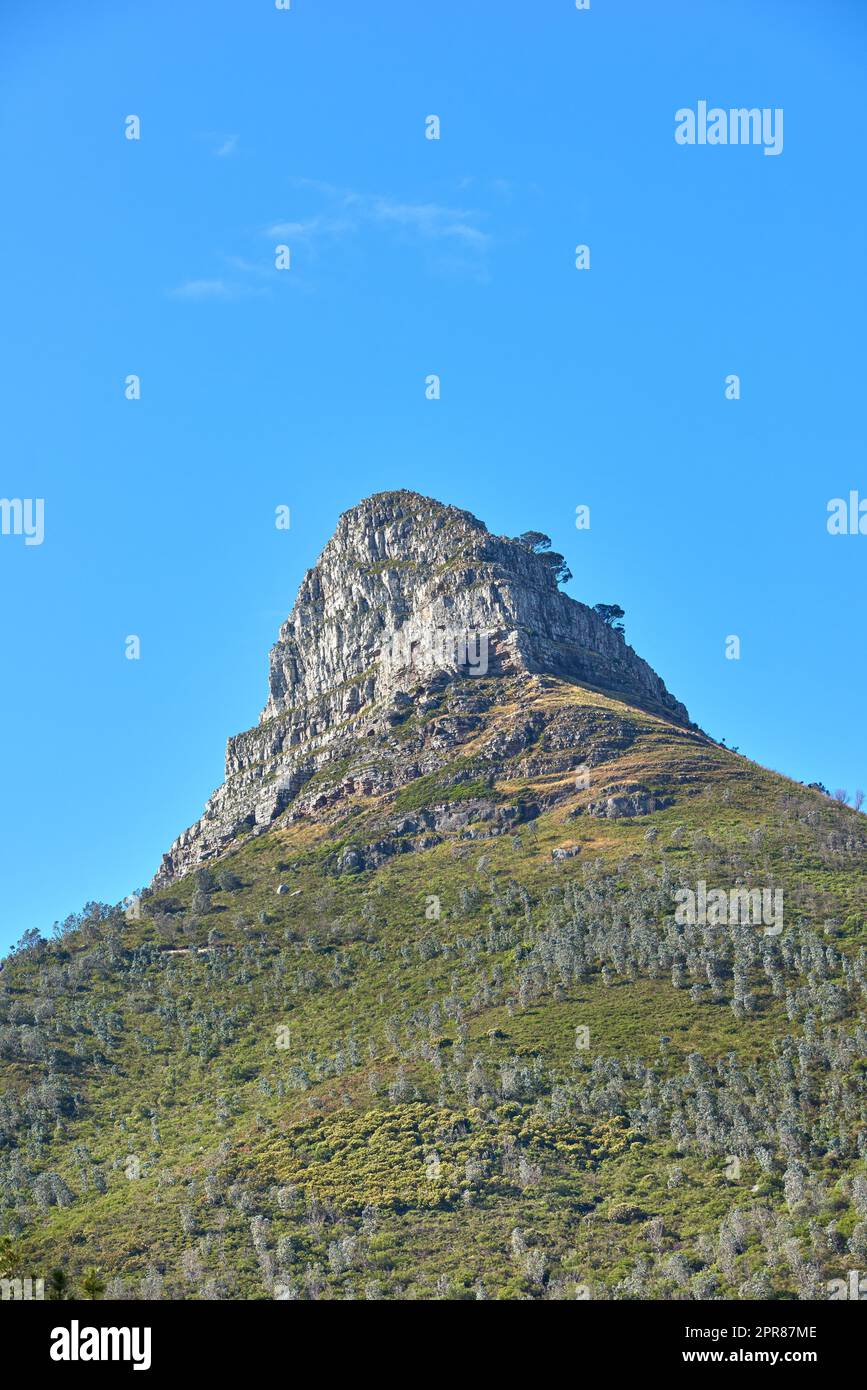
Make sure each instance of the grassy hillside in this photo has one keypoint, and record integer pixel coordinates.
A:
(377, 1083)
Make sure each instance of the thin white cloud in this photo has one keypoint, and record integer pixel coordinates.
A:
(312, 226)
(456, 243)
(204, 289)
(426, 221)
(228, 147)
(246, 267)
(430, 220)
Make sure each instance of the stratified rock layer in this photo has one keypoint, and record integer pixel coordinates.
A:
(406, 595)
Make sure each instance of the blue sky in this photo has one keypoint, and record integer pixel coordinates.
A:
(409, 257)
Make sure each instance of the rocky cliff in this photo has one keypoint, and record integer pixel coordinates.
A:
(407, 596)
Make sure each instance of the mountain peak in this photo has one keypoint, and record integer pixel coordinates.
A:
(407, 591)
(400, 563)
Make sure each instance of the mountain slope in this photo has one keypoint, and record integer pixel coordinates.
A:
(431, 1024)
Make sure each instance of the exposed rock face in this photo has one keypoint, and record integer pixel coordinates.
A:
(406, 595)
(637, 802)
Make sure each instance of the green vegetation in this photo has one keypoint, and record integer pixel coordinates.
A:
(471, 1071)
(445, 786)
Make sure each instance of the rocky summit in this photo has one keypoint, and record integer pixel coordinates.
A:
(407, 595)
